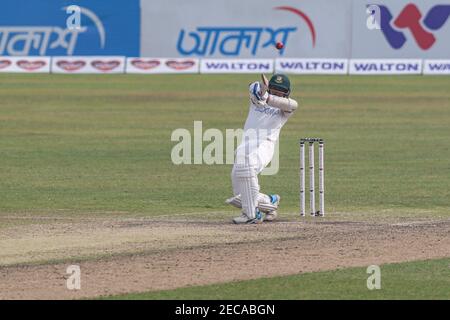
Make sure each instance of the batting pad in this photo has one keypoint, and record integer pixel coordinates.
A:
(263, 205)
(248, 184)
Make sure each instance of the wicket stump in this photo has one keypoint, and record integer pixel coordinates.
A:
(312, 200)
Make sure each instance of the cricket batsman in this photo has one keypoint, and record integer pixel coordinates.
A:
(270, 108)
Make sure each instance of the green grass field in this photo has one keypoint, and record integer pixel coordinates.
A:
(413, 280)
(102, 143)
(100, 146)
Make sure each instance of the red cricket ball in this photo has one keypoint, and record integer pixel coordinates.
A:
(279, 45)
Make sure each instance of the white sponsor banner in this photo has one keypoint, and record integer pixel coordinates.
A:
(385, 66)
(247, 29)
(88, 64)
(25, 64)
(312, 66)
(406, 29)
(162, 65)
(236, 65)
(438, 67)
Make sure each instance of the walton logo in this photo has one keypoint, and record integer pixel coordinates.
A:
(411, 18)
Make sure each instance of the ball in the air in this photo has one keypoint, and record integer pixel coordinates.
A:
(279, 45)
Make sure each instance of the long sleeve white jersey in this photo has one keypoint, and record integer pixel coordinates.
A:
(263, 120)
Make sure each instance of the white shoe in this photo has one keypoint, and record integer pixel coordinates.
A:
(243, 219)
(263, 207)
(270, 216)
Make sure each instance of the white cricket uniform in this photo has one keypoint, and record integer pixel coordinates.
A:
(261, 132)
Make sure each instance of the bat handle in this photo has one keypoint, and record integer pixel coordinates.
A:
(265, 84)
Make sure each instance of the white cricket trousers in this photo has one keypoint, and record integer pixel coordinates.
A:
(251, 159)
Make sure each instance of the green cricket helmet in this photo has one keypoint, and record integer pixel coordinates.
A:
(281, 83)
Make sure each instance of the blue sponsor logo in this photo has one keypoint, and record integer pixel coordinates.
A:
(39, 28)
(207, 41)
(230, 41)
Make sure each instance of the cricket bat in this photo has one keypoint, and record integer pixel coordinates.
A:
(264, 84)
